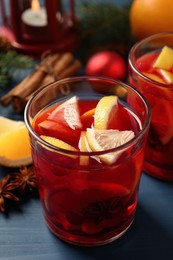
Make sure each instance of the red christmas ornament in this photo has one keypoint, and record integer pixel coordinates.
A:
(107, 64)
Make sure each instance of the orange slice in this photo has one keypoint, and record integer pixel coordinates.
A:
(14, 144)
(87, 118)
(8, 124)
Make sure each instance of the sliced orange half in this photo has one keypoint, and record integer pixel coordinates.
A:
(14, 144)
(8, 124)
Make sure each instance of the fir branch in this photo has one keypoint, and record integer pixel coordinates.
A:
(105, 22)
(14, 60)
(4, 75)
(11, 61)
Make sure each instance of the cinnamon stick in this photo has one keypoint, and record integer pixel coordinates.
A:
(50, 61)
(70, 70)
(31, 82)
(47, 79)
(66, 60)
(6, 99)
(52, 67)
(19, 102)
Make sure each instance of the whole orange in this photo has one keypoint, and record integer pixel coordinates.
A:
(149, 17)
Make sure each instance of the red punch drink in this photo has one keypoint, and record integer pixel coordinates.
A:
(88, 152)
(151, 72)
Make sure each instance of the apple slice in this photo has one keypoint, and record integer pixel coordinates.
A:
(165, 59)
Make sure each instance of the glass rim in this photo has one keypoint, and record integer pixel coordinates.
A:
(90, 153)
(136, 46)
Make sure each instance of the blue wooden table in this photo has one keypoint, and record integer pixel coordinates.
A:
(25, 236)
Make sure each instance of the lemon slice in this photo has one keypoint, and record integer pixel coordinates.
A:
(101, 140)
(60, 144)
(14, 144)
(84, 147)
(103, 111)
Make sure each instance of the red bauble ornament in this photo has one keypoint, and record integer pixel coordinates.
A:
(107, 64)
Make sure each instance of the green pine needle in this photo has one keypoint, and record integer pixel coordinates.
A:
(105, 23)
(10, 62)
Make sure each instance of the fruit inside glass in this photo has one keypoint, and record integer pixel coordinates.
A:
(88, 137)
(151, 73)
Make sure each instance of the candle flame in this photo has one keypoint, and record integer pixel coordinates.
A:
(35, 5)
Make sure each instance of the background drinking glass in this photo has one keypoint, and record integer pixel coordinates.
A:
(156, 84)
(87, 201)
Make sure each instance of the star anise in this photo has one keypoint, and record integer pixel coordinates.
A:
(25, 178)
(102, 210)
(6, 191)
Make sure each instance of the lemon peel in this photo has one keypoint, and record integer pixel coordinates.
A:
(102, 140)
(84, 147)
(60, 144)
(105, 106)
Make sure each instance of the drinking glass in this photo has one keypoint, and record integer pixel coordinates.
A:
(159, 150)
(89, 203)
